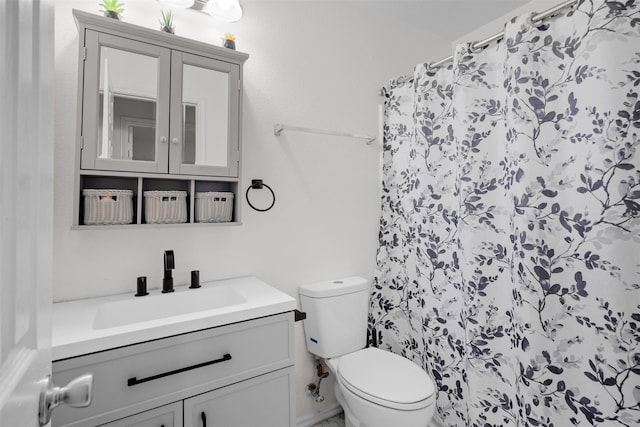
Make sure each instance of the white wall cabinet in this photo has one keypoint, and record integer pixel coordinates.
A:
(236, 375)
(125, 90)
(155, 112)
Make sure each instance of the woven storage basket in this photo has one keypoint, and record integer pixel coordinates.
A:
(107, 206)
(165, 207)
(214, 207)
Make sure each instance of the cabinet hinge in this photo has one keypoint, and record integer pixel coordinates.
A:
(84, 54)
(82, 142)
(239, 85)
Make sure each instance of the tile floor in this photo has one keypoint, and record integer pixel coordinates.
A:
(335, 421)
(338, 421)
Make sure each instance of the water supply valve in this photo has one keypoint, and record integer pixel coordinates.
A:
(312, 389)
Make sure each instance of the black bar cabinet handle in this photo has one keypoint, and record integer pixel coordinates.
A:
(134, 381)
(203, 417)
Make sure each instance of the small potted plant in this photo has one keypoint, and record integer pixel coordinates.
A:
(166, 22)
(112, 8)
(229, 41)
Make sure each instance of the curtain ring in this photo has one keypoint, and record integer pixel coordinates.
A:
(427, 66)
(258, 184)
(474, 49)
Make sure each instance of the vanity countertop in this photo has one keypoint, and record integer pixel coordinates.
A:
(96, 324)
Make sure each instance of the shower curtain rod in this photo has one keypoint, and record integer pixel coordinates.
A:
(486, 42)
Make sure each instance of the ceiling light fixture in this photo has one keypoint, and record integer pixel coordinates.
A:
(224, 10)
(183, 4)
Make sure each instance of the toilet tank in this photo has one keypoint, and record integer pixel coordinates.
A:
(337, 310)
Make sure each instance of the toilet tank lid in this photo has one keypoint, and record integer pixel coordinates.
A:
(332, 288)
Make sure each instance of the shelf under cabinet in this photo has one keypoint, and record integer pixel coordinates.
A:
(138, 185)
(150, 226)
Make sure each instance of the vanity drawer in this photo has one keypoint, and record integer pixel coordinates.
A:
(135, 378)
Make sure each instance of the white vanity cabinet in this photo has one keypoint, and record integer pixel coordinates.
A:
(164, 416)
(156, 111)
(234, 375)
(242, 405)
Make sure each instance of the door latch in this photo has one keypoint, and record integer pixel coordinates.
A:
(76, 394)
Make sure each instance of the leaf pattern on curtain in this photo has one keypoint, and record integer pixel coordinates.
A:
(508, 264)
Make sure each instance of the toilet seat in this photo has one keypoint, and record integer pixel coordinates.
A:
(386, 379)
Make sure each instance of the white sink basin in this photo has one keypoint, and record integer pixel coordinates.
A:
(96, 324)
(144, 309)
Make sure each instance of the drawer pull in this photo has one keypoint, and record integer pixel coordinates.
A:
(203, 417)
(134, 381)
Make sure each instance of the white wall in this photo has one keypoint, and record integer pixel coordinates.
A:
(494, 26)
(311, 66)
(314, 63)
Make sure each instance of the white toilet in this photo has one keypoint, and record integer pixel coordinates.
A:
(376, 388)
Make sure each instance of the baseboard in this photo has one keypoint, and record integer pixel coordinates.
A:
(312, 419)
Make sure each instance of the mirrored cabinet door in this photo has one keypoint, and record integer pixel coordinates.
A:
(126, 105)
(204, 116)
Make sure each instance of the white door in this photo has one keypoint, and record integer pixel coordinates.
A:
(26, 206)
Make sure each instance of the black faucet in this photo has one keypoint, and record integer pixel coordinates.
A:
(169, 264)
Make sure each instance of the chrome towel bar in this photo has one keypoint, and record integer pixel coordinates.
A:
(278, 128)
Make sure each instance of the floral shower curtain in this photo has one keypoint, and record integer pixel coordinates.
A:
(509, 248)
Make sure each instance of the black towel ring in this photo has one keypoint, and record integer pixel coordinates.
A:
(258, 184)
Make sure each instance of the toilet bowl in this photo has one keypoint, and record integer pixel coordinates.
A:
(379, 388)
(376, 388)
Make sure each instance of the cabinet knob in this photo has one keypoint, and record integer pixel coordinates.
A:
(175, 141)
(163, 139)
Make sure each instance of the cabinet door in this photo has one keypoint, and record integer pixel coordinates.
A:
(264, 401)
(164, 416)
(125, 105)
(204, 116)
